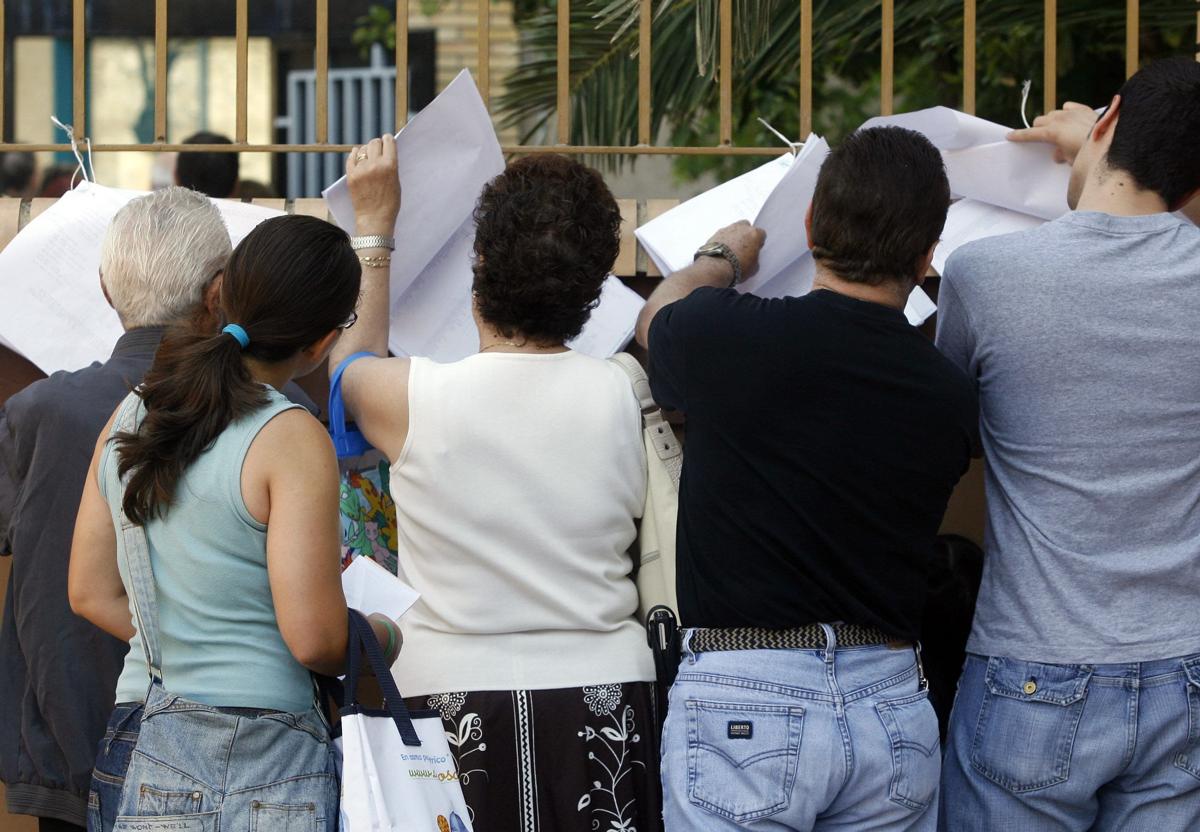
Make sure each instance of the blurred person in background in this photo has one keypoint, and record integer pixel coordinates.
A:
(214, 174)
(17, 170)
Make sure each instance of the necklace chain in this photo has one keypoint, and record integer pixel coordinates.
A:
(501, 344)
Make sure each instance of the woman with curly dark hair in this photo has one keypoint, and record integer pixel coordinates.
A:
(518, 473)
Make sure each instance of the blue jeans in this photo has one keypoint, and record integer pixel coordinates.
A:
(112, 761)
(1074, 747)
(799, 740)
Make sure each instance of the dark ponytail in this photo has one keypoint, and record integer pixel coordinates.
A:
(292, 281)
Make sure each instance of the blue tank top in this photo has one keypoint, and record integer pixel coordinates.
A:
(220, 640)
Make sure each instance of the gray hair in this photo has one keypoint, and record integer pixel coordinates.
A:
(160, 252)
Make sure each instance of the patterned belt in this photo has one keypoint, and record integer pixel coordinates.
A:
(808, 637)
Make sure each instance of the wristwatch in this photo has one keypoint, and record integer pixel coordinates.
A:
(725, 253)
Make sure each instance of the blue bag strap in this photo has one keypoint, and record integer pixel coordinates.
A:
(347, 442)
(362, 640)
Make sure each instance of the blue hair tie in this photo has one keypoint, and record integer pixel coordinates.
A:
(240, 335)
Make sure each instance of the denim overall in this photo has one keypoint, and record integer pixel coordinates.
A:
(198, 768)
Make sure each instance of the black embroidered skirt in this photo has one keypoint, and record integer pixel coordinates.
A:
(581, 759)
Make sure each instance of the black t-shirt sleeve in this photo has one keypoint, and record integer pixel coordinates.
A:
(668, 343)
(681, 335)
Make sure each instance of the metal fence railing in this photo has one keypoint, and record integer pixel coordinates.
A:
(319, 110)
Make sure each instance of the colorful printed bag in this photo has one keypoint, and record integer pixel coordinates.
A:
(364, 499)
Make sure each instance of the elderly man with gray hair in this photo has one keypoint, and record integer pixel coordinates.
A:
(159, 265)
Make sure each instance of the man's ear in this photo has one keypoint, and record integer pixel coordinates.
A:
(1102, 130)
(212, 294)
(104, 289)
(925, 266)
(808, 224)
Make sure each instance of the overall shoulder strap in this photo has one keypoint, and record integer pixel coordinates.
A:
(133, 549)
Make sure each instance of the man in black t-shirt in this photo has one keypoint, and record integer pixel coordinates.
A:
(824, 437)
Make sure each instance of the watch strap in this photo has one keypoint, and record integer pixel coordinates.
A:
(373, 241)
(725, 253)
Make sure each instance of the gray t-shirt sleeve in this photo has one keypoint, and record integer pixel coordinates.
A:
(955, 336)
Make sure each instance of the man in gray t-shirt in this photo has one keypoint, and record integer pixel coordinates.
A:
(1083, 337)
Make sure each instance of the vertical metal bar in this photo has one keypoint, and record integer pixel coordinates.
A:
(806, 64)
(1050, 57)
(887, 57)
(387, 95)
(295, 133)
(243, 71)
(322, 103)
(726, 72)
(3, 57)
(78, 69)
(969, 56)
(1131, 37)
(645, 21)
(312, 173)
(564, 71)
(160, 70)
(483, 37)
(401, 64)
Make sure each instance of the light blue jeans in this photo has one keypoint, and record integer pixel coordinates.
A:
(800, 740)
(1058, 748)
(200, 769)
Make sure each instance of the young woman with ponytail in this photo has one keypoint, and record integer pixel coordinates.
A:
(208, 537)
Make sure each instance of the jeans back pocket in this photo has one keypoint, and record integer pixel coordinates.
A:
(203, 822)
(1027, 721)
(912, 728)
(742, 758)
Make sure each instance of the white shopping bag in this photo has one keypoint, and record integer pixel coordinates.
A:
(397, 771)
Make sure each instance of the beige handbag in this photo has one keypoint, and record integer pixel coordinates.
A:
(664, 461)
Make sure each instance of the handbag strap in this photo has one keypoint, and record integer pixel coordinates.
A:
(347, 440)
(659, 434)
(362, 640)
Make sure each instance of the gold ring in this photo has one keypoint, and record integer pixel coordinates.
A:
(360, 157)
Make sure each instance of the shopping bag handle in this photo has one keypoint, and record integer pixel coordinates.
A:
(347, 441)
(362, 640)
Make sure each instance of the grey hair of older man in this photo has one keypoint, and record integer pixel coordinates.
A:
(159, 254)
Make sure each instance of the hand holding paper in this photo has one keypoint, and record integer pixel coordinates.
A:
(983, 164)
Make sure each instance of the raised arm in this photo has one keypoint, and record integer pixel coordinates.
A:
(743, 239)
(1067, 129)
(375, 390)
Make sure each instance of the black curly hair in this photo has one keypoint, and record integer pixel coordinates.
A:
(547, 232)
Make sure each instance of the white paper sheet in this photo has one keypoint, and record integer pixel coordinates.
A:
(969, 220)
(673, 237)
(983, 165)
(611, 325)
(773, 197)
(369, 588)
(52, 310)
(446, 155)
